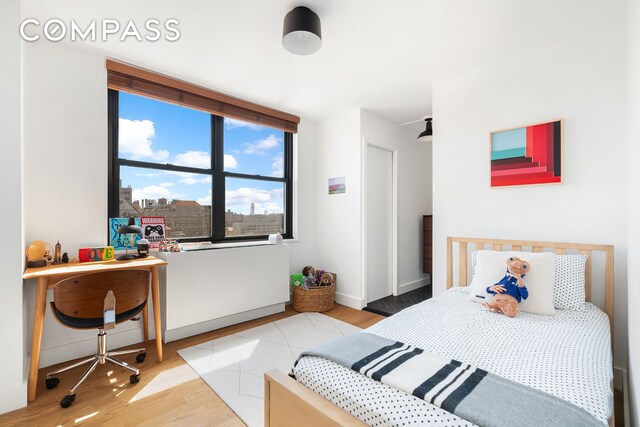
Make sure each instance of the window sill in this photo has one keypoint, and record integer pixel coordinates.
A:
(190, 247)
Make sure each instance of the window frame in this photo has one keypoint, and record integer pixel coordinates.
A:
(216, 171)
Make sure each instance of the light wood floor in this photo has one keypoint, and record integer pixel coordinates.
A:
(168, 393)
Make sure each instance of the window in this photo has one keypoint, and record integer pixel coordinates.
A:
(211, 177)
(255, 184)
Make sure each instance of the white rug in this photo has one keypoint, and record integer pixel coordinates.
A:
(233, 366)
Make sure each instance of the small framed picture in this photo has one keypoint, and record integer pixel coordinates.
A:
(337, 185)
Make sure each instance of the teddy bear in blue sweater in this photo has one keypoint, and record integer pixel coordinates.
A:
(509, 291)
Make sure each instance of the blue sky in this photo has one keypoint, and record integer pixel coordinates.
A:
(155, 131)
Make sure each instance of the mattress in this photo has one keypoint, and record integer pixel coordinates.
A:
(567, 355)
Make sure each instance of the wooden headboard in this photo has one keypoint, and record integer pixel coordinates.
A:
(535, 246)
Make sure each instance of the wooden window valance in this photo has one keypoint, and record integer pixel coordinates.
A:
(127, 78)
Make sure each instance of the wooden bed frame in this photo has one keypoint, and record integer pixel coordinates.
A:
(289, 403)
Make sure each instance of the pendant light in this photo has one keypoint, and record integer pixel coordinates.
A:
(301, 33)
(427, 135)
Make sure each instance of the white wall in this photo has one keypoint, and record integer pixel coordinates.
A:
(338, 238)
(303, 251)
(583, 82)
(341, 147)
(65, 186)
(634, 213)
(413, 192)
(65, 166)
(13, 392)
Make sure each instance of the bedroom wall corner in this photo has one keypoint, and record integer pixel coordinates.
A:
(414, 192)
(338, 238)
(633, 235)
(591, 204)
(13, 390)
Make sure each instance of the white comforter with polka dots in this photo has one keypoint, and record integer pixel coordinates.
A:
(567, 355)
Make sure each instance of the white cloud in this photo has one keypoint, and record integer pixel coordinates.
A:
(191, 180)
(154, 192)
(262, 145)
(149, 174)
(247, 195)
(161, 155)
(194, 159)
(135, 140)
(230, 162)
(202, 159)
(240, 200)
(233, 124)
(205, 201)
(277, 167)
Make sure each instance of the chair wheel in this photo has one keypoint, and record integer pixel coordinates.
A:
(133, 379)
(140, 357)
(67, 400)
(51, 383)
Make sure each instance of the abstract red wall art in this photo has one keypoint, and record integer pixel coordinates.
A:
(527, 155)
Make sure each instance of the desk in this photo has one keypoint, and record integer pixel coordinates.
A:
(48, 277)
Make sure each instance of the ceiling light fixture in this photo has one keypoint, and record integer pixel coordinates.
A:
(301, 33)
(427, 134)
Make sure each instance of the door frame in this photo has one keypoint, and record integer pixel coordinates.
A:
(394, 215)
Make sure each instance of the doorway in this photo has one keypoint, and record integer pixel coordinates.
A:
(379, 223)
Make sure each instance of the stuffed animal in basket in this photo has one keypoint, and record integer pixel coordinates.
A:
(309, 270)
(297, 279)
(326, 279)
(509, 291)
(309, 274)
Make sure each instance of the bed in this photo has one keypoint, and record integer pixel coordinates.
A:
(567, 355)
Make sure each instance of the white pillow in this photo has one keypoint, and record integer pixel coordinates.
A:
(568, 293)
(568, 290)
(491, 267)
(473, 263)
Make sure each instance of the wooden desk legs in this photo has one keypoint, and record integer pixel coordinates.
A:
(145, 321)
(155, 293)
(36, 340)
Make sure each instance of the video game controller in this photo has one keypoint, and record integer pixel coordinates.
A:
(151, 228)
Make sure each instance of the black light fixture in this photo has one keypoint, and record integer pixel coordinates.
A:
(301, 32)
(427, 134)
(129, 230)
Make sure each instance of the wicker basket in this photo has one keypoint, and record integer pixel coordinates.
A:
(315, 298)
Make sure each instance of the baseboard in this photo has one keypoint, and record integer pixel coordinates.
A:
(211, 325)
(412, 286)
(349, 301)
(13, 397)
(87, 347)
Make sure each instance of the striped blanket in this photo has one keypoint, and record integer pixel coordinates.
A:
(471, 393)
